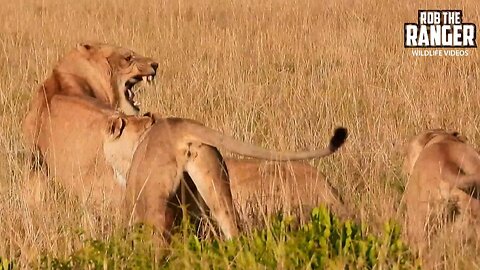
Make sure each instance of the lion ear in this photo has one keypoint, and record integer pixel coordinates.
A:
(115, 126)
(84, 46)
(429, 135)
(459, 136)
(151, 119)
(152, 116)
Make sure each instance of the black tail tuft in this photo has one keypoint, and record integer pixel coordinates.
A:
(339, 137)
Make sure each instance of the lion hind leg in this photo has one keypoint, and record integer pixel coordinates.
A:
(468, 183)
(464, 189)
(207, 170)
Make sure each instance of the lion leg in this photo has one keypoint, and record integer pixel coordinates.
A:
(465, 188)
(466, 202)
(30, 129)
(29, 125)
(207, 169)
(33, 119)
(161, 217)
(417, 215)
(467, 182)
(416, 227)
(148, 201)
(35, 187)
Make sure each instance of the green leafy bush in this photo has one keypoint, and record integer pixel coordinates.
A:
(324, 242)
(5, 264)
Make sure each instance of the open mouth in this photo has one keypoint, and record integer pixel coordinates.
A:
(130, 92)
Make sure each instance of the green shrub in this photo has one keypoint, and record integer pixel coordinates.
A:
(133, 249)
(5, 264)
(324, 242)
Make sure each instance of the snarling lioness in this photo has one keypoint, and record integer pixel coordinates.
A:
(72, 142)
(175, 146)
(443, 170)
(101, 71)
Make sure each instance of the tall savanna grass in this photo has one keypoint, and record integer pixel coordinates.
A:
(278, 73)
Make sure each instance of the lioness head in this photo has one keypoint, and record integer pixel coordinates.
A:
(122, 136)
(415, 146)
(105, 72)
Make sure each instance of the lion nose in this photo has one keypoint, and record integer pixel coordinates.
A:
(154, 65)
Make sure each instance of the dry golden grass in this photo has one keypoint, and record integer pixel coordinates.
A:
(279, 73)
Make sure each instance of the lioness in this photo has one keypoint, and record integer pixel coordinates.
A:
(104, 72)
(292, 186)
(442, 170)
(175, 146)
(72, 141)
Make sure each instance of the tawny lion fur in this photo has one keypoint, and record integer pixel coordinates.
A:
(443, 169)
(262, 187)
(65, 122)
(101, 71)
(175, 146)
(72, 142)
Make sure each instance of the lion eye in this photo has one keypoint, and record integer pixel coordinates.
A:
(129, 58)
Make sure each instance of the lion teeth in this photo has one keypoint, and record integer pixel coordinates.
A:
(150, 78)
(130, 94)
(136, 103)
(144, 78)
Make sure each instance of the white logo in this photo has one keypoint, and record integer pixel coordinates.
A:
(440, 29)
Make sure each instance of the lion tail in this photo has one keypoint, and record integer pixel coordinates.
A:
(217, 139)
